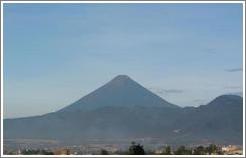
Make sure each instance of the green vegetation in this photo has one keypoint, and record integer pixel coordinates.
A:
(36, 152)
(104, 152)
(182, 150)
(136, 149)
(200, 150)
(167, 150)
(212, 149)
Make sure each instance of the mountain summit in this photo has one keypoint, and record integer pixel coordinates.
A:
(121, 91)
(121, 78)
(226, 100)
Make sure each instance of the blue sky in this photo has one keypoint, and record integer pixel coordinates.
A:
(56, 53)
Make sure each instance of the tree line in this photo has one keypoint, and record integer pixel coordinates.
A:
(138, 149)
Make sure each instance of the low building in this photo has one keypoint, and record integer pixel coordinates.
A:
(232, 150)
(61, 152)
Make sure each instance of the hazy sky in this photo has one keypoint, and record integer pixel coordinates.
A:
(56, 53)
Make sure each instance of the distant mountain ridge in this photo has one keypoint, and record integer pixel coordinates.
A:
(123, 109)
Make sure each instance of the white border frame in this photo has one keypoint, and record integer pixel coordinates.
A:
(92, 2)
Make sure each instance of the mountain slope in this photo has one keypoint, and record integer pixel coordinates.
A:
(120, 91)
(123, 109)
(221, 120)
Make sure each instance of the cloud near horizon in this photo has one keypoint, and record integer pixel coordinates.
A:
(233, 87)
(166, 91)
(234, 70)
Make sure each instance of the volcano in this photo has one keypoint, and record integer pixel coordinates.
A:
(121, 91)
(123, 109)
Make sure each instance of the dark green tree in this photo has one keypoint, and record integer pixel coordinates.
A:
(183, 151)
(212, 149)
(136, 149)
(167, 150)
(36, 152)
(200, 150)
(104, 152)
